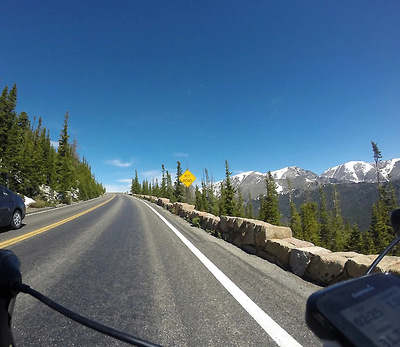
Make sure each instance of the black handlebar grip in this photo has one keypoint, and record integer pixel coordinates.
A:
(395, 221)
(10, 274)
(10, 278)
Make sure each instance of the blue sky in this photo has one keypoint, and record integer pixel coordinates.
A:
(262, 84)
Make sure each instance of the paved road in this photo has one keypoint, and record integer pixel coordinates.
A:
(122, 265)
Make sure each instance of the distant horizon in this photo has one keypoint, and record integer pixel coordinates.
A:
(198, 182)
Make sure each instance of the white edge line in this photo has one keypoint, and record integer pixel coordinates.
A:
(273, 329)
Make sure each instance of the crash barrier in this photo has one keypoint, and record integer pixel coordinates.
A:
(277, 245)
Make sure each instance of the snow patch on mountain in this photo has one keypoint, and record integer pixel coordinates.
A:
(352, 171)
(293, 177)
(280, 174)
(241, 176)
(360, 171)
(391, 168)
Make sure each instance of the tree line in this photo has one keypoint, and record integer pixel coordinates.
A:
(32, 166)
(312, 221)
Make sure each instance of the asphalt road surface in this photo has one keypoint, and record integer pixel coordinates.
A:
(137, 268)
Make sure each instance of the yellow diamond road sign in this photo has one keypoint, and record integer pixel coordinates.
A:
(187, 178)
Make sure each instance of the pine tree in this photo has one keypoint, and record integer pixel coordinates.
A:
(135, 188)
(50, 154)
(227, 202)
(380, 227)
(18, 156)
(163, 188)
(170, 189)
(355, 240)
(203, 203)
(340, 235)
(262, 208)
(156, 188)
(325, 219)
(8, 101)
(212, 202)
(367, 243)
(28, 161)
(239, 205)
(39, 154)
(64, 148)
(295, 221)
(65, 163)
(87, 186)
(249, 211)
(269, 206)
(25, 165)
(309, 222)
(377, 159)
(145, 188)
(179, 188)
(198, 199)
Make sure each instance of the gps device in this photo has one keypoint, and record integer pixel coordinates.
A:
(360, 312)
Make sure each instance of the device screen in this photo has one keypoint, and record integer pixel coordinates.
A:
(378, 317)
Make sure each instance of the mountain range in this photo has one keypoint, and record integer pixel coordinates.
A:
(355, 182)
(294, 178)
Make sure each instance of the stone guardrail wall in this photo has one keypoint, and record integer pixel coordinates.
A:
(277, 245)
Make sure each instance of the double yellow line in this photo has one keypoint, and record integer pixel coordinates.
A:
(51, 226)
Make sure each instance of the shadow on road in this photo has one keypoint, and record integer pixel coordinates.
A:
(7, 228)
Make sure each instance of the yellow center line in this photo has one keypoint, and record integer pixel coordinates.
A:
(51, 226)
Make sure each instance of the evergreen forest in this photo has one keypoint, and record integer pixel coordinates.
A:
(313, 221)
(30, 165)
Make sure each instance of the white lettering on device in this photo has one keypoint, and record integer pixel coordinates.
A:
(366, 290)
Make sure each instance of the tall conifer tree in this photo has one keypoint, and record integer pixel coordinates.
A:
(65, 162)
(179, 188)
(269, 206)
(340, 234)
(377, 159)
(295, 221)
(309, 222)
(325, 219)
(228, 203)
(249, 210)
(163, 188)
(239, 205)
(380, 227)
(8, 101)
(136, 189)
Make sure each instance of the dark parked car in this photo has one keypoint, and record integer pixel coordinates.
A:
(12, 208)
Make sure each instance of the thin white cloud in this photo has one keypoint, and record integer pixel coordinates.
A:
(125, 180)
(54, 144)
(181, 155)
(118, 163)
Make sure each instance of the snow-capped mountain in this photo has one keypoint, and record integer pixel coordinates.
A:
(250, 182)
(353, 171)
(360, 171)
(293, 177)
(253, 182)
